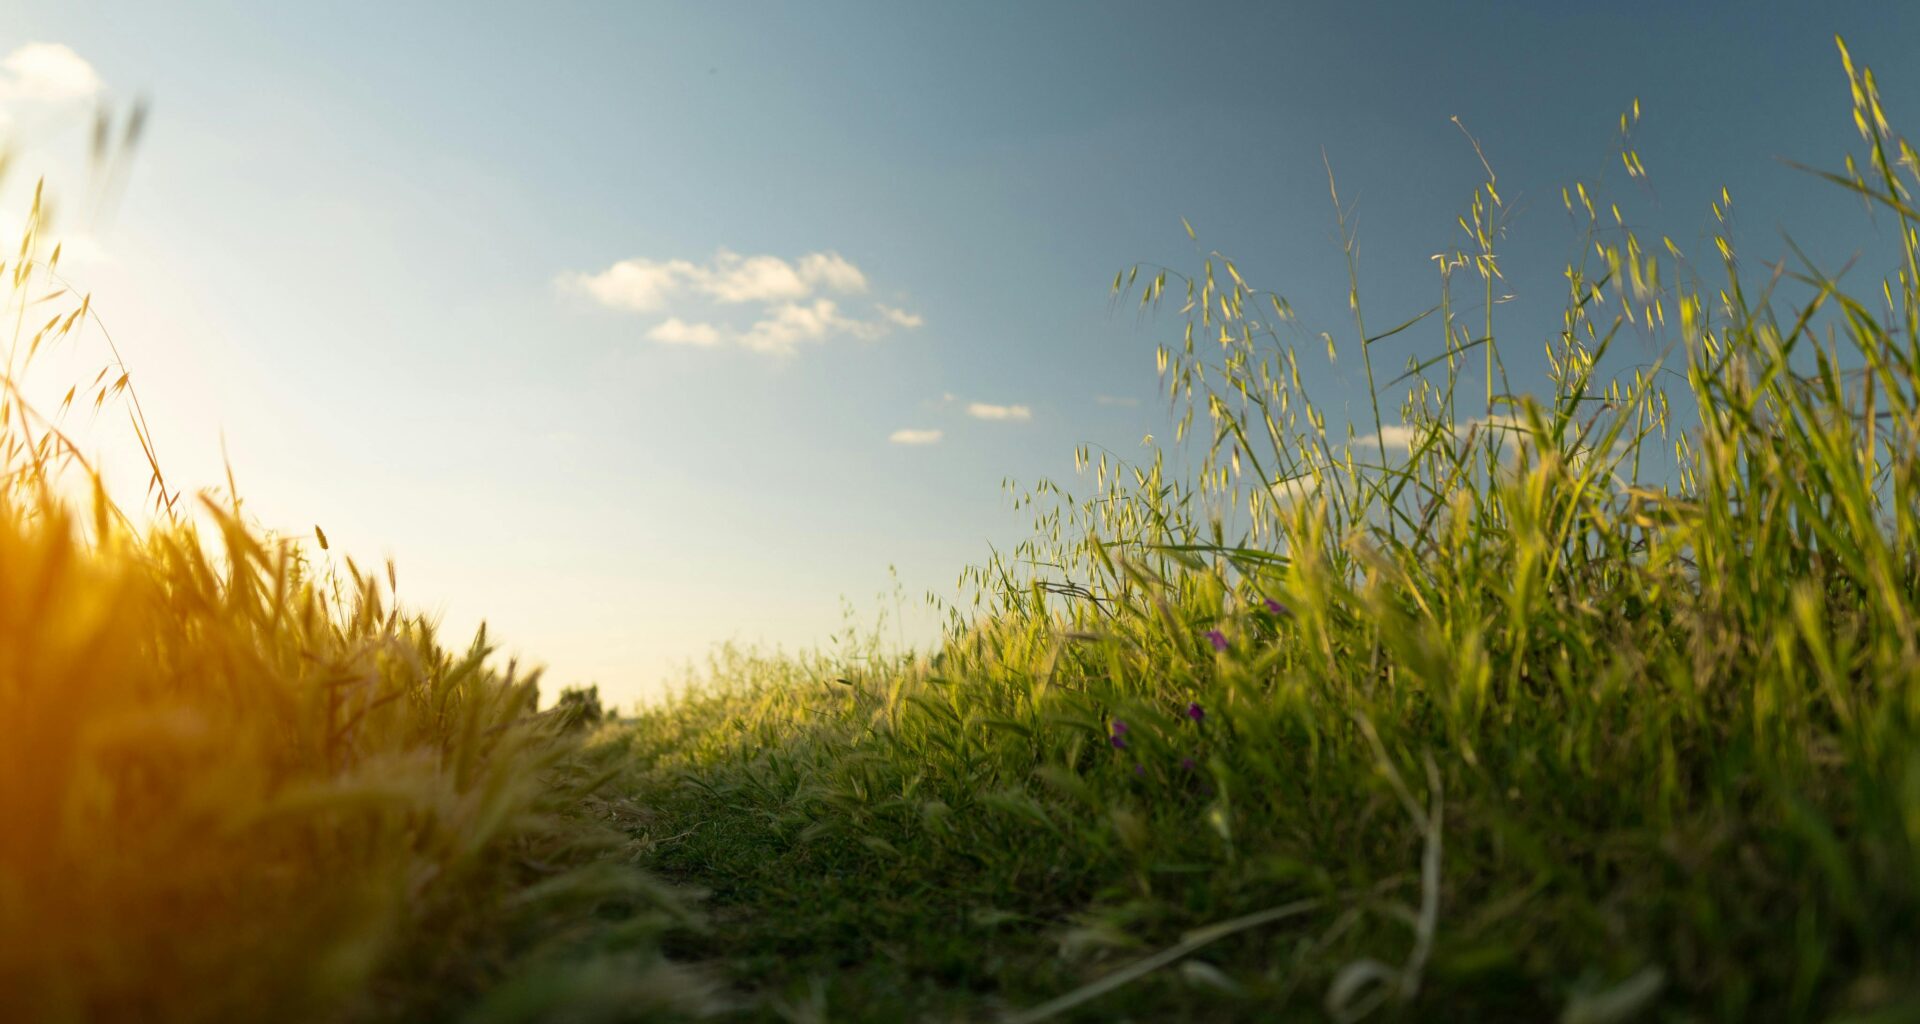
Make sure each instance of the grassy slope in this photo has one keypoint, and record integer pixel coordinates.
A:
(1551, 716)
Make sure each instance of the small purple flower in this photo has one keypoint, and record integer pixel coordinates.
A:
(1195, 711)
(1140, 771)
(1187, 765)
(1276, 608)
(1119, 737)
(1217, 639)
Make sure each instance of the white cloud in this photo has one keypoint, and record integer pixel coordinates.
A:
(911, 436)
(48, 72)
(644, 285)
(675, 331)
(639, 286)
(829, 270)
(733, 278)
(787, 325)
(793, 311)
(984, 411)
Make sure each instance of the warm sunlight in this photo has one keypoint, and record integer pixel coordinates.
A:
(860, 512)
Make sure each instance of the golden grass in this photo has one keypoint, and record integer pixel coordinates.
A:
(239, 784)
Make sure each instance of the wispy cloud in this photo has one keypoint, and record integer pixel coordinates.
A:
(984, 411)
(793, 310)
(638, 286)
(48, 72)
(675, 331)
(828, 270)
(790, 323)
(907, 435)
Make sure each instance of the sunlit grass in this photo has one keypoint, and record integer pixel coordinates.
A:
(238, 783)
(1570, 699)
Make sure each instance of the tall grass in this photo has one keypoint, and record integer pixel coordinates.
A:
(238, 783)
(1578, 701)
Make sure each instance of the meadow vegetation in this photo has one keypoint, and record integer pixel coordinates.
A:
(1591, 699)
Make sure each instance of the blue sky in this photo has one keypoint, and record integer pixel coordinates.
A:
(373, 247)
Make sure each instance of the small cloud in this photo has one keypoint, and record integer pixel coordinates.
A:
(675, 331)
(729, 278)
(789, 324)
(793, 311)
(638, 286)
(829, 270)
(911, 436)
(1125, 403)
(733, 278)
(984, 411)
(48, 72)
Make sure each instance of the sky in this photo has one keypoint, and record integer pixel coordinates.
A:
(633, 329)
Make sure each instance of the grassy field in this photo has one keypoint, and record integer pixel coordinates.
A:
(1594, 698)
(1588, 699)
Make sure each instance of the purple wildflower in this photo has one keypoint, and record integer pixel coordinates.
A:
(1187, 765)
(1217, 639)
(1195, 711)
(1276, 607)
(1140, 771)
(1119, 737)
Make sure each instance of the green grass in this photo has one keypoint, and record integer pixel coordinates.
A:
(1598, 702)
(1595, 698)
